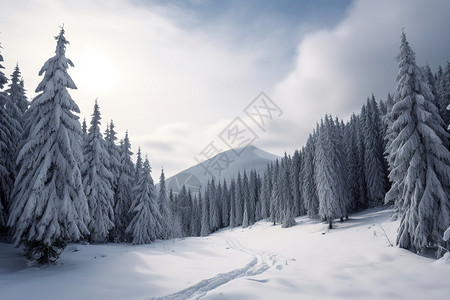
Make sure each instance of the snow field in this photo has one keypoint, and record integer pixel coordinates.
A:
(307, 261)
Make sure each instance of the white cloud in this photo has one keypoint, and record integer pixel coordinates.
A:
(175, 87)
(337, 69)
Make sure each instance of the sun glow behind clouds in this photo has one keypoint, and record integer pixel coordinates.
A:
(95, 71)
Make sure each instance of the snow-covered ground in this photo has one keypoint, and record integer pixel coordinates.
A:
(353, 261)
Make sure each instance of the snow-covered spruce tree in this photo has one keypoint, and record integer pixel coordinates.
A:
(239, 201)
(443, 91)
(299, 208)
(175, 218)
(330, 184)
(214, 213)
(375, 174)
(196, 216)
(419, 159)
(138, 166)
(205, 229)
(266, 191)
(145, 225)
(350, 140)
(225, 201)
(253, 197)
(246, 200)
(97, 179)
(287, 197)
(164, 207)
(123, 195)
(10, 131)
(232, 203)
(362, 183)
(184, 210)
(275, 197)
(309, 187)
(114, 154)
(49, 206)
(447, 232)
(84, 128)
(18, 102)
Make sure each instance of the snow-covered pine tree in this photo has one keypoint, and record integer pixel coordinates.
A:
(214, 213)
(309, 187)
(49, 206)
(239, 201)
(266, 192)
(232, 203)
(253, 196)
(362, 201)
(18, 102)
(114, 154)
(350, 141)
(138, 165)
(375, 174)
(97, 179)
(10, 131)
(275, 197)
(298, 208)
(164, 207)
(419, 159)
(205, 228)
(84, 127)
(225, 201)
(196, 216)
(287, 197)
(330, 184)
(124, 195)
(145, 225)
(176, 222)
(246, 201)
(443, 91)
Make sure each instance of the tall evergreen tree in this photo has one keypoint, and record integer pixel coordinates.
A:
(205, 228)
(419, 158)
(233, 203)
(10, 131)
(124, 195)
(375, 174)
(18, 102)
(214, 214)
(84, 128)
(49, 206)
(330, 184)
(114, 155)
(225, 200)
(275, 197)
(287, 196)
(246, 201)
(309, 189)
(239, 201)
(443, 92)
(138, 166)
(164, 207)
(97, 179)
(298, 208)
(145, 225)
(266, 192)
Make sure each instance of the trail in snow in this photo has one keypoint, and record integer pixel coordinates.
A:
(261, 262)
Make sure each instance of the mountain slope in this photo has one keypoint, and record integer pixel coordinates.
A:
(225, 165)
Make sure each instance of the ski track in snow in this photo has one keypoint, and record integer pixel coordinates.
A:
(261, 262)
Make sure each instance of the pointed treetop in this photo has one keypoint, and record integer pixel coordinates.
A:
(3, 79)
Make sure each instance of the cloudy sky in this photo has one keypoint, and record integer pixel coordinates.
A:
(175, 74)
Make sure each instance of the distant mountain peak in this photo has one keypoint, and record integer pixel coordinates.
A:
(223, 166)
